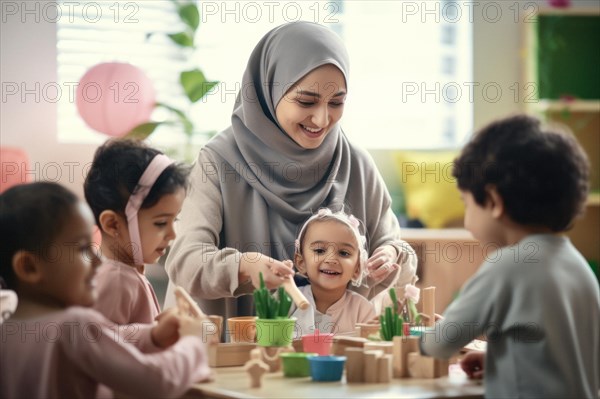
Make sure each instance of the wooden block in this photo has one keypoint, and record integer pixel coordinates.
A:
(384, 369)
(420, 366)
(366, 329)
(386, 346)
(372, 365)
(228, 354)
(340, 343)
(402, 347)
(429, 305)
(354, 365)
(426, 367)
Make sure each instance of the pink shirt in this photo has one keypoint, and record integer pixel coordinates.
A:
(125, 295)
(341, 317)
(68, 353)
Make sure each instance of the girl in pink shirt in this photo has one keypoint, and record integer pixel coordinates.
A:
(135, 193)
(331, 252)
(54, 345)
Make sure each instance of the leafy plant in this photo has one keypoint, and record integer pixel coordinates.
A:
(193, 82)
(391, 322)
(268, 306)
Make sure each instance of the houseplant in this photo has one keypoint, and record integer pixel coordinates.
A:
(273, 326)
(193, 82)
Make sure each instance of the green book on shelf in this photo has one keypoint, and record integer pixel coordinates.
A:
(568, 59)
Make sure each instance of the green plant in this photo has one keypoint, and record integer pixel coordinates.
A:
(268, 306)
(391, 322)
(193, 82)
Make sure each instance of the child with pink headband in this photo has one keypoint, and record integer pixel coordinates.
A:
(54, 345)
(332, 253)
(135, 193)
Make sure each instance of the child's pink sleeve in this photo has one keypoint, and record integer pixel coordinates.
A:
(112, 358)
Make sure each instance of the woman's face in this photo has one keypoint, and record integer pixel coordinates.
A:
(313, 106)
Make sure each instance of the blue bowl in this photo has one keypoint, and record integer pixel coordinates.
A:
(327, 368)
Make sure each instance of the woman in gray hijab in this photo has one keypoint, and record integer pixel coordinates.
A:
(283, 157)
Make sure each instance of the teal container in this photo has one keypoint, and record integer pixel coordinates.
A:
(327, 368)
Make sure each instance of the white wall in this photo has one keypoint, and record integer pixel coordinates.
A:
(28, 57)
(28, 119)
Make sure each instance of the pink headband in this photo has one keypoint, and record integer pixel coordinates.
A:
(152, 172)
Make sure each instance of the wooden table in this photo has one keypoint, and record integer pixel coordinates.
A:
(233, 382)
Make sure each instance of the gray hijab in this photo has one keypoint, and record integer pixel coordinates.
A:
(270, 184)
(292, 180)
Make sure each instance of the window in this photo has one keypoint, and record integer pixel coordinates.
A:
(410, 62)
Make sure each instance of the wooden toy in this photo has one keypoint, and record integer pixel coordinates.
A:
(255, 368)
(366, 329)
(229, 354)
(270, 355)
(340, 343)
(420, 366)
(384, 367)
(371, 365)
(429, 305)
(186, 304)
(402, 347)
(355, 362)
(385, 346)
(297, 296)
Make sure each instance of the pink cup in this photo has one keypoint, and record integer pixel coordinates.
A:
(318, 343)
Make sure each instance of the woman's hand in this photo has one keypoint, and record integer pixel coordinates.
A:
(473, 364)
(274, 272)
(382, 262)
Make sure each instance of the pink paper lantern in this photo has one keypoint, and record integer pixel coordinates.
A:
(559, 3)
(113, 98)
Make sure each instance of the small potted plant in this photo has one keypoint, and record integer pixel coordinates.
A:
(392, 324)
(273, 326)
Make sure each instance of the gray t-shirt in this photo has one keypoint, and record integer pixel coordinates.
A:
(538, 303)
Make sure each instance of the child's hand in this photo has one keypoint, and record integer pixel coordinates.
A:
(166, 332)
(274, 272)
(382, 262)
(473, 364)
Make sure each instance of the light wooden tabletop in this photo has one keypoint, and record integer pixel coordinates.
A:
(233, 382)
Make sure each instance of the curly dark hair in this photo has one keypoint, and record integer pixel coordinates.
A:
(117, 167)
(541, 174)
(31, 217)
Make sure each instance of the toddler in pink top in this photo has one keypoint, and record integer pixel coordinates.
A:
(135, 193)
(332, 253)
(54, 345)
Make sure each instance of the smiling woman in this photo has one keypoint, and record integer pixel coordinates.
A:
(284, 156)
(313, 106)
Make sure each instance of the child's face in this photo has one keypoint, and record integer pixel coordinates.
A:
(310, 109)
(156, 225)
(479, 220)
(330, 255)
(70, 262)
